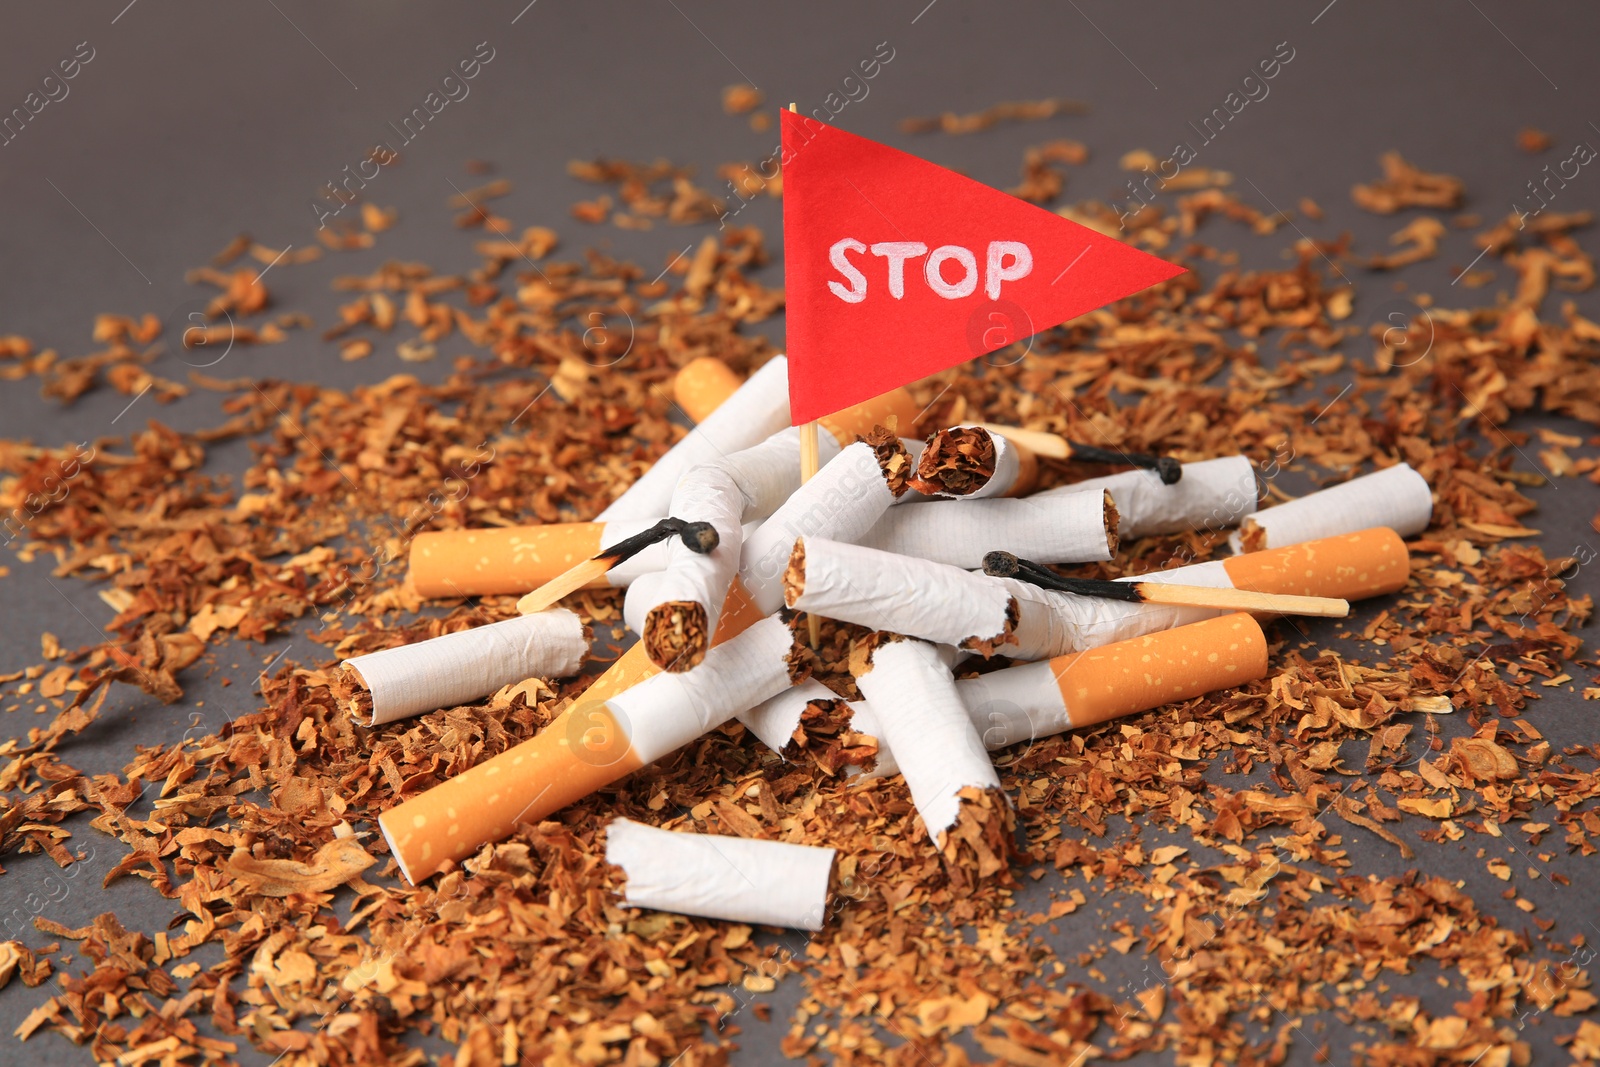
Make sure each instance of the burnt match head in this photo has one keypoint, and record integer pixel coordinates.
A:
(700, 537)
(1170, 469)
(1000, 564)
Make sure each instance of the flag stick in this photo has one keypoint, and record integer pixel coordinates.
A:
(809, 462)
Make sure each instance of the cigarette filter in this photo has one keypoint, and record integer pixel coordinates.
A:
(739, 879)
(450, 670)
(925, 724)
(901, 594)
(757, 410)
(1397, 497)
(972, 463)
(1123, 678)
(1049, 528)
(593, 742)
(1212, 494)
(843, 501)
(1350, 567)
(702, 386)
(515, 559)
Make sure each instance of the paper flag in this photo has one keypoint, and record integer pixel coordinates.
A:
(895, 268)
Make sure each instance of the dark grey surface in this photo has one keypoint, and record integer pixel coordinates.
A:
(194, 122)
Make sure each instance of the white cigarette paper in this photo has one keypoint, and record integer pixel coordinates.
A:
(925, 724)
(842, 501)
(757, 410)
(1397, 497)
(667, 711)
(770, 883)
(1211, 495)
(775, 720)
(1046, 528)
(901, 594)
(451, 670)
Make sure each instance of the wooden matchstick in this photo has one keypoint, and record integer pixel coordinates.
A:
(810, 462)
(698, 536)
(1005, 565)
(1055, 446)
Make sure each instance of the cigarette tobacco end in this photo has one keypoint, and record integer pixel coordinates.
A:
(1000, 564)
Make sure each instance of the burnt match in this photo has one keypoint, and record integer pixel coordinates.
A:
(698, 537)
(1006, 565)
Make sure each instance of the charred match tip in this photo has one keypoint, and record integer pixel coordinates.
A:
(1001, 564)
(700, 537)
(1170, 469)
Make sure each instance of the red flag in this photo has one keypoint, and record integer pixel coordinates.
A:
(895, 268)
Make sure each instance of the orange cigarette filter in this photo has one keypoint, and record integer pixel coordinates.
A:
(702, 385)
(492, 561)
(895, 410)
(1371, 562)
(1160, 668)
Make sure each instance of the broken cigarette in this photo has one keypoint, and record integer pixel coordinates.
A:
(923, 720)
(595, 741)
(447, 671)
(771, 883)
(900, 594)
(1397, 497)
(1036, 700)
(757, 410)
(703, 385)
(1050, 528)
(675, 611)
(972, 462)
(1213, 494)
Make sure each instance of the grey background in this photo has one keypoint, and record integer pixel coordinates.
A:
(194, 122)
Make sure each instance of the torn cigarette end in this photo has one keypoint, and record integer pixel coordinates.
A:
(893, 459)
(979, 846)
(794, 575)
(675, 635)
(957, 462)
(1113, 524)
